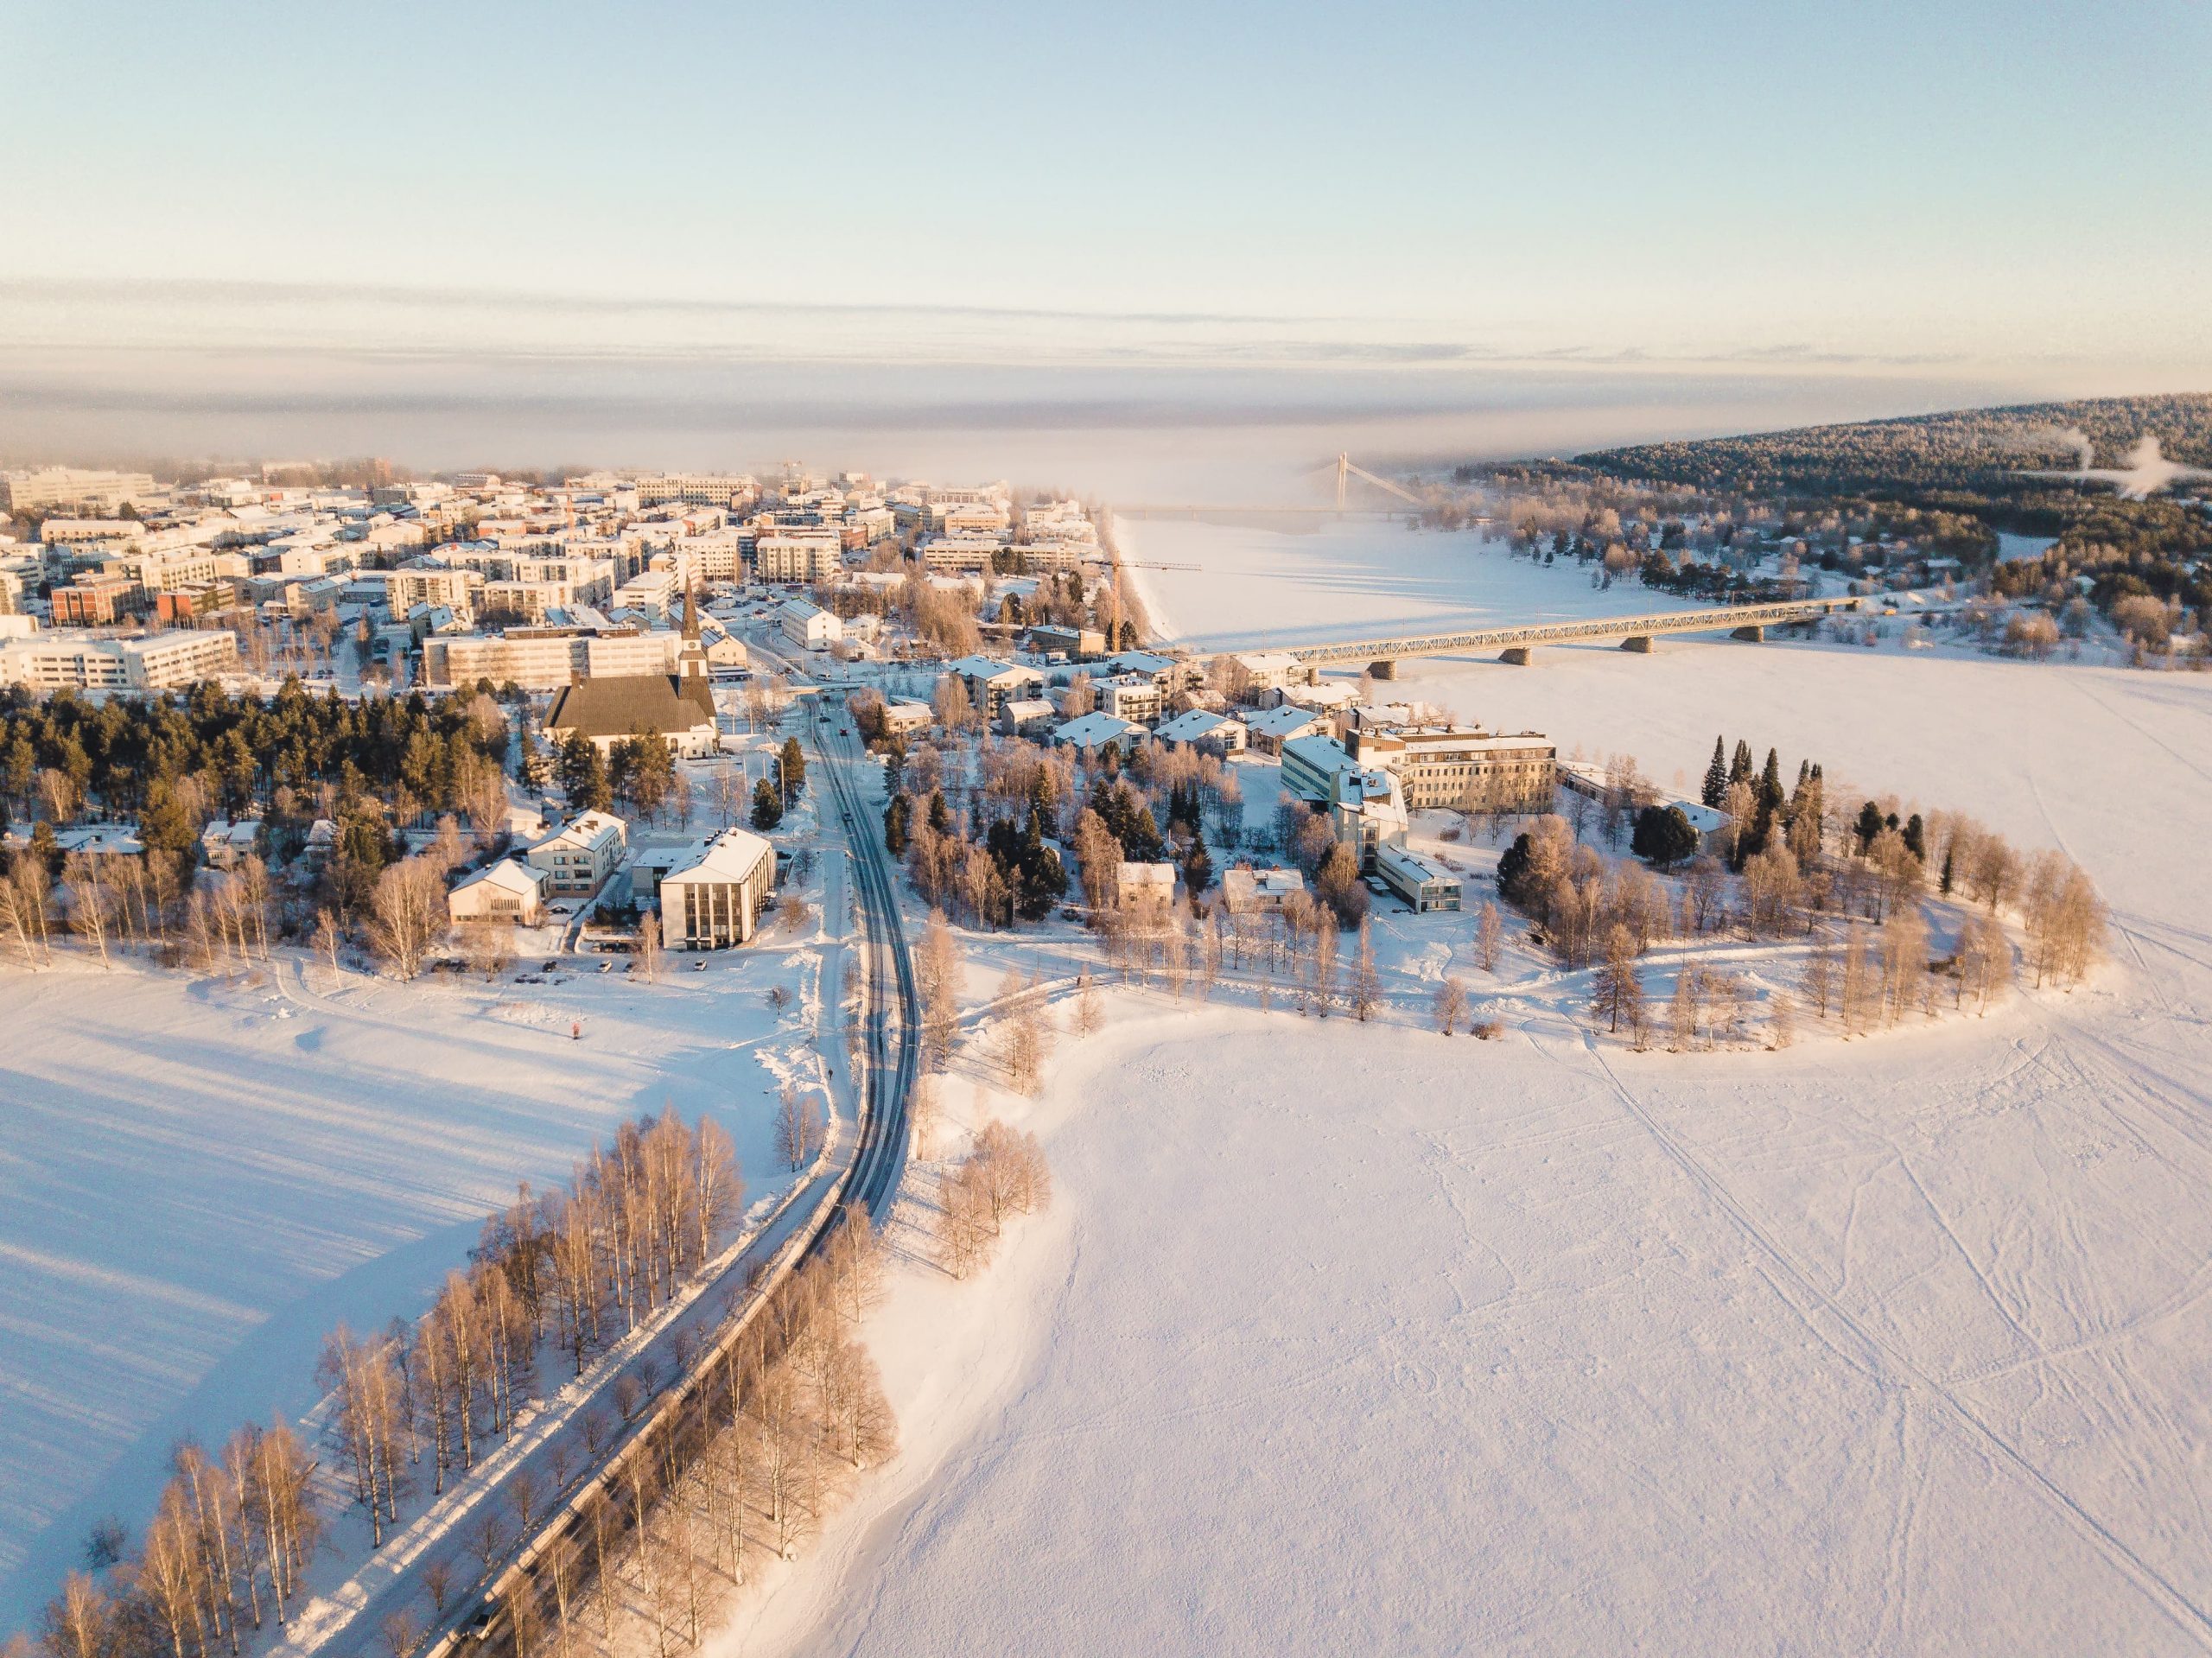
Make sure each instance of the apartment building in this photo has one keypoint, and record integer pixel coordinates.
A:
(580, 854)
(1456, 765)
(47, 487)
(51, 661)
(797, 555)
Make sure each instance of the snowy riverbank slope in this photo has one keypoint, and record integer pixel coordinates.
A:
(1348, 1337)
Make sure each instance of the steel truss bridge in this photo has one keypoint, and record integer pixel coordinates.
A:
(1514, 643)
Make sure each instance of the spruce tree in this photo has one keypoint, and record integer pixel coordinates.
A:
(1739, 763)
(767, 806)
(1716, 778)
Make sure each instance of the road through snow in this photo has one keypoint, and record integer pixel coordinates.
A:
(1348, 1337)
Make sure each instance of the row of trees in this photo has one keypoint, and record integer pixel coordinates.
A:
(233, 1533)
(789, 1413)
(231, 1536)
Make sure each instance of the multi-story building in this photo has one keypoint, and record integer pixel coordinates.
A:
(53, 486)
(51, 661)
(809, 624)
(96, 602)
(797, 555)
(580, 854)
(1459, 766)
(714, 898)
(1129, 696)
(990, 683)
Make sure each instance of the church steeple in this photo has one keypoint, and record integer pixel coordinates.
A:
(691, 658)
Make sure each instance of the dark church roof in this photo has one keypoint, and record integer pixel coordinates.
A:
(621, 705)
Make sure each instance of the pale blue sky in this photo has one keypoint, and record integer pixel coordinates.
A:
(2012, 193)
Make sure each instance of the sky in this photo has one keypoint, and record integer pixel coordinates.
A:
(685, 226)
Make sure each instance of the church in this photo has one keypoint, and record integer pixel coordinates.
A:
(677, 708)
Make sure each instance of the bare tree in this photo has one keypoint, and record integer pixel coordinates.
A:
(1366, 984)
(1451, 1006)
(648, 948)
(798, 1127)
(1489, 934)
(407, 912)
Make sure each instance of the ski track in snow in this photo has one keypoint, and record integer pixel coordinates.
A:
(1375, 1341)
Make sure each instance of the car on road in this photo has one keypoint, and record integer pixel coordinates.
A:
(480, 1626)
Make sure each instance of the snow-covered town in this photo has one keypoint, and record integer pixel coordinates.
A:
(1222, 832)
(899, 883)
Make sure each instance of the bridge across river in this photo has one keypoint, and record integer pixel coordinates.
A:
(1514, 642)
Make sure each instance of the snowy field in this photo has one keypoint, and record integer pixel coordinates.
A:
(1358, 1338)
(1295, 586)
(201, 1180)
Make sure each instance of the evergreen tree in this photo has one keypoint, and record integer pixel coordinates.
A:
(1198, 864)
(1716, 778)
(1771, 783)
(898, 821)
(1663, 837)
(790, 769)
(1739, 763)
(767, 806)
(164, 826)
(1869, 824)
(1944, 884)
(1916, 837)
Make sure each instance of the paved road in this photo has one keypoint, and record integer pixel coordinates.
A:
(550, 1446)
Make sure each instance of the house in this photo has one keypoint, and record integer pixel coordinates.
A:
(581, 853)
(1270, 728)
(809, 624)
(714, 898)
(506, 891)
(1364, 803)
(1422, 882)
(1144, 888)
(991, 683)
(1100, 731)
(1129, 696)
(1196, 729)
(900, 718)
(224, 845)
(1026, 716)
(1249, 891)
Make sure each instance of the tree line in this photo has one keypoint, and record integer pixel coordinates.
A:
(570, 1270)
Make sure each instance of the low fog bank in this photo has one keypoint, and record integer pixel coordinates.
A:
(1142, 433)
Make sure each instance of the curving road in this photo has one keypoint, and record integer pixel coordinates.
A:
(550, 1450)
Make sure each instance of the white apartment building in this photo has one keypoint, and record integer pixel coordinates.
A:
(809, 624)
(796, 555)
(53, 486)
(51, 661)
(942, 555)
(548, 658)
(1129, 696)
(580, 854)
(431, 584)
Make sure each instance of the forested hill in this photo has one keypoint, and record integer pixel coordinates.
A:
(1965, 452)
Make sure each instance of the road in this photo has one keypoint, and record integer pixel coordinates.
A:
(549, 1447)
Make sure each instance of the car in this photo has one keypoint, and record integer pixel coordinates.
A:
(480, 1626)
(549, 967)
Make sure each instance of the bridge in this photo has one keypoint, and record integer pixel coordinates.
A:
(1403, 502)
(1513, 643)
